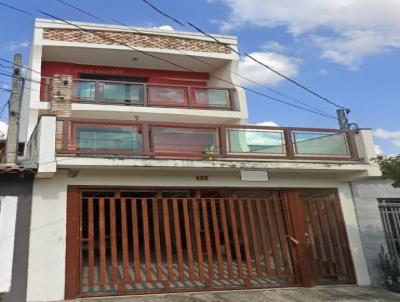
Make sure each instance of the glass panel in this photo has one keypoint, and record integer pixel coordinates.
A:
(86, 90)
(122, 138)
(199, 141)
(212, 97)
(167, 95)
(256, 141)
(308, 143)
(122, 92)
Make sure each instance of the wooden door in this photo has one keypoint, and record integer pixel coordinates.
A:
(326, 237)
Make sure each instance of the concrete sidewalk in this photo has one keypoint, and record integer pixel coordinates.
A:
(321, 293)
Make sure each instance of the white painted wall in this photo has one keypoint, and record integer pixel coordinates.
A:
(8, 217)
(47, 165)
(48, 221)
(353, 233)
(31, 97)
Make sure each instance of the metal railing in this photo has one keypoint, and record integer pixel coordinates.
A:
(146, 94)
(167, 140)
(390, 213)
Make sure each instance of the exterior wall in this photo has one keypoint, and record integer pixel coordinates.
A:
(366, 194)
(48, 232)
(49, 69)
(51, 33)
(15, 185)
(133, 39)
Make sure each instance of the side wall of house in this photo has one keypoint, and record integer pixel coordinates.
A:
(48, 224)
(366, 194)
(14, 185)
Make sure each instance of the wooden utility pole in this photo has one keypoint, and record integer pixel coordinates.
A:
(14, 113)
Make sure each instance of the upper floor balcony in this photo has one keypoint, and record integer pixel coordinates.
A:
(154, 75)
(131, 93)
(91, 144)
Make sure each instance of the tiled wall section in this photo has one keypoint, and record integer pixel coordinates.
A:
(133, 39)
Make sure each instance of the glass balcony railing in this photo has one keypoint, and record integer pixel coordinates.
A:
(92, 137)
(195, 141)
(168, 140)
(311, 143)
(255, 141)
(144, 94)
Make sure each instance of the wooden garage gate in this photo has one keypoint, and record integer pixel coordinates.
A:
(134, 241)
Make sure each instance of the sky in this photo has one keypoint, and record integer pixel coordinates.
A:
(346, 50)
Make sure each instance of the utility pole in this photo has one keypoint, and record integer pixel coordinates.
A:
(14, 113)
(342, 118)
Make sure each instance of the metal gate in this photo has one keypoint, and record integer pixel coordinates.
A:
(132, 241)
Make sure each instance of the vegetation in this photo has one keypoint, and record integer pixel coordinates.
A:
(390, 268)
(390, 167)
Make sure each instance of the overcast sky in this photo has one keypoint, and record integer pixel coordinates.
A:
(347, 50)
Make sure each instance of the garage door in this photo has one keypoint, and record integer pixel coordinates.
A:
(136, 241)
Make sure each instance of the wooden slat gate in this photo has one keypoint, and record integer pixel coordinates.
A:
(125, 242)
(327, 238)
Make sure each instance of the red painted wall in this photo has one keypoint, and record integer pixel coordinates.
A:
(49, 69)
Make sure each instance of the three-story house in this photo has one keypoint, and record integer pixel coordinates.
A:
(150, 179)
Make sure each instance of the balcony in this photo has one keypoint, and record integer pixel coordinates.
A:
(92, 138)
(146, 95)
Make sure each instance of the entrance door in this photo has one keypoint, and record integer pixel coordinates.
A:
(145, 241)
(326, 237)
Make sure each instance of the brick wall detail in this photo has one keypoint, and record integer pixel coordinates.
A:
(133, 39)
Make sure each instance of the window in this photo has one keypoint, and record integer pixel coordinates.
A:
(108, 137)
(110, 88)
(211, 97)
(390, 213)
(121, 92)
(86, 90)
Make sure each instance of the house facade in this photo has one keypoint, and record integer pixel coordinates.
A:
(378, 210)
(150, 180)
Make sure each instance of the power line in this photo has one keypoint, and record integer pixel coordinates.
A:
(4, 106)
(195, 58)
(185, 68)
(27, 79)
(177, 65)
(192, 57)
(163, 13)
(16, 9)
(245, 54)
(78, 9)
(21, 66)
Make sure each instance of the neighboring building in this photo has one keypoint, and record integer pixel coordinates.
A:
(378, 210)
(150, 180)
(16, 180)
(15, 205)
